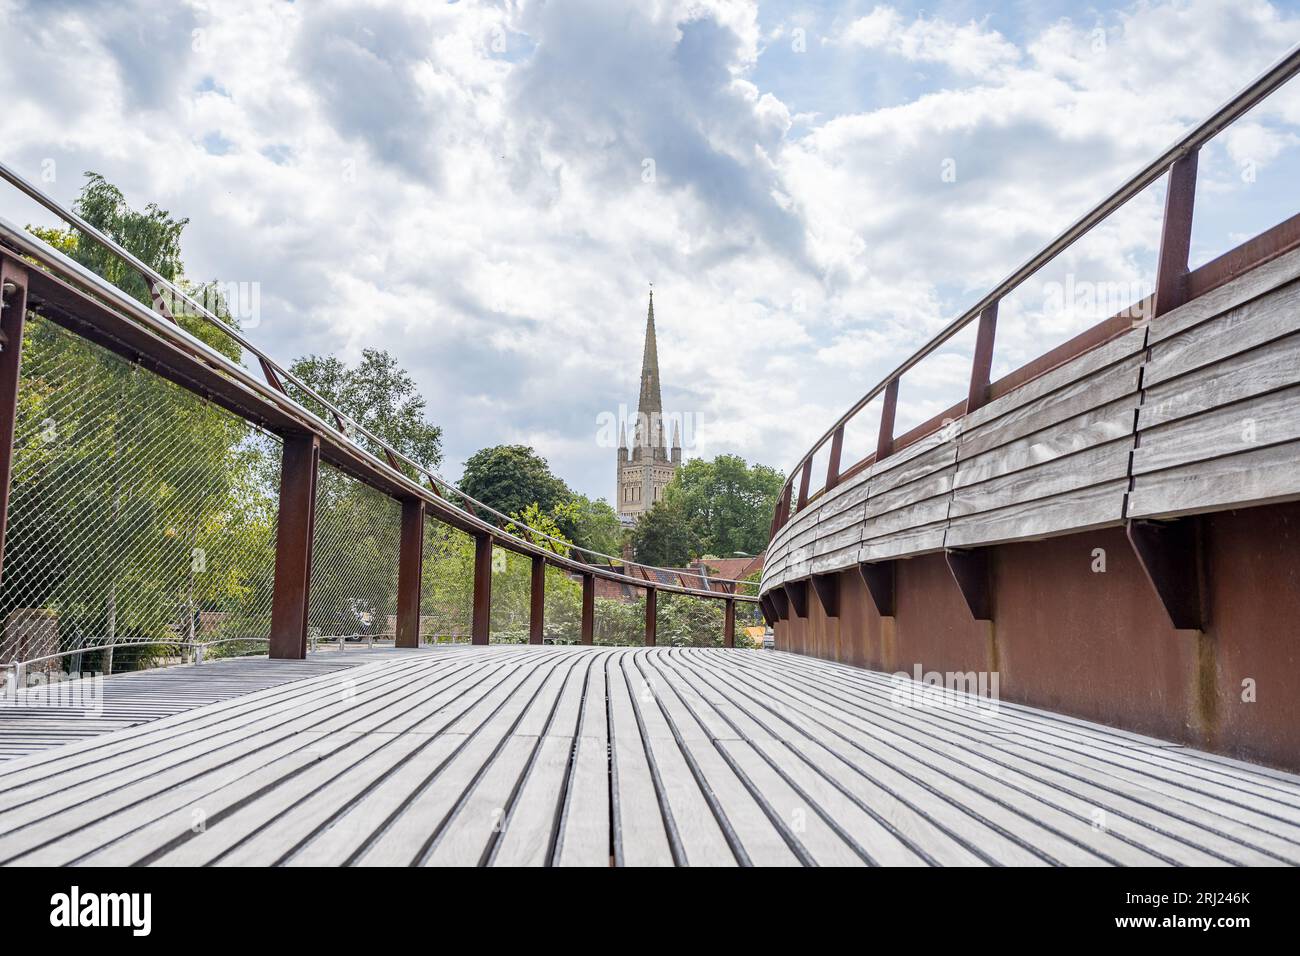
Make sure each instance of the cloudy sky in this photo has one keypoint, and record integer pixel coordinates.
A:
(487, 189)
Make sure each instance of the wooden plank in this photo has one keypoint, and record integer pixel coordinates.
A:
(1087, 365)
(1239, 330)
(1260, 476)
(1224, 432)
(1087, 508)
(1092, 428)
(196, 785)
(1259, 281)
(585, 837)
(1248, 375)
(640, 825)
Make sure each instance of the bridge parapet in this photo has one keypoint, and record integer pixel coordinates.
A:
(1093, 525)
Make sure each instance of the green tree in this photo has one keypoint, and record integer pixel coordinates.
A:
(726, 503)
(663, 536)
(123, 479)
(512, 477)
(595, 525)
(378, 394)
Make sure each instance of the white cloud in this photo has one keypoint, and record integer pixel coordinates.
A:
(968, 48)
(463, 184)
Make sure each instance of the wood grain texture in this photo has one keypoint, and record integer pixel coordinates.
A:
(586, 756)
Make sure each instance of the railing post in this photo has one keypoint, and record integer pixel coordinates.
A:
(729, 624)
(803, 483)
(1176, 236)
(588, 609)
(783, 508)
(537, 608)
(299, 464)
(651, 616)
(982, 366)
(833, 465)
(13, 282)
(481, 625)
(409, 572)
(885, 443)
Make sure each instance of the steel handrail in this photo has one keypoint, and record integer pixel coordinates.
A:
(27, 244)
(1250, 96)
(106, 242)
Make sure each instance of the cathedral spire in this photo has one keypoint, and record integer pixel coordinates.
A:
(650, 399)
(649, 425)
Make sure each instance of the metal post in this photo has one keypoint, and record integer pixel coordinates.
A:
(885, 443)
(833, 465)
(481, 625)
(1176, 236)
(803, 483)
(588, 609)
(409, 571)
(13, 283)
(982, 366)
(651, 616)
(537, 605)
(299, 464)
(729, 624)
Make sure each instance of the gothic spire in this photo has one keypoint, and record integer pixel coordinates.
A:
(649, 424)
(650, 399)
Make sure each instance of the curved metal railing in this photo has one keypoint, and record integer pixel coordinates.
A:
(445, 492)
(1186, 146)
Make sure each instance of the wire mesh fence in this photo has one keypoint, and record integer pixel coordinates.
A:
(354, 560)
(140, 515)
(447, 585)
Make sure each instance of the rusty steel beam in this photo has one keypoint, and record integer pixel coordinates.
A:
(13, 295)
(803, 485)
(780, 603)
(797, 592)
(1169, 552)
(833, 464)
(651, 616)
(537, 600)
(769, 610)
(481, 627)
(410, 569)
(970, 569)
(885, 442)
(588, 609)
(290, 599)
(879, 578)
(729, 625)
(827, 587)
(982, 364)
(1176, 235)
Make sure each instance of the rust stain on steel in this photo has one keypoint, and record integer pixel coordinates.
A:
(1099, 644)
(299, 464)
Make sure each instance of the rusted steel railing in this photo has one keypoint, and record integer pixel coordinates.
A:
(1174, 285)
(90, 418)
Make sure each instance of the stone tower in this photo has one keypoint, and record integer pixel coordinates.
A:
(645, 469)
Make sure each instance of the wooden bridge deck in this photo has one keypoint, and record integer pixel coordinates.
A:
(591, 756)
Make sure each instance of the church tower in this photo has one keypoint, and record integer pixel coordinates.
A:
(645, 469)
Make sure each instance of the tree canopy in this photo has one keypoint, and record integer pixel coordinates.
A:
(381, 396)
(720, 508)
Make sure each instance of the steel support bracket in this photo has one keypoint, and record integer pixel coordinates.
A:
(827, 587)
(1169, 552)
(970, 569)
(797, 592)
(780, 602)
(879, 579)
